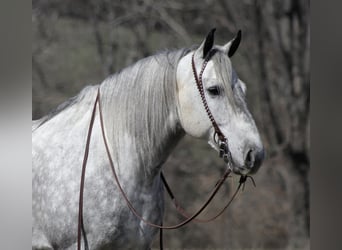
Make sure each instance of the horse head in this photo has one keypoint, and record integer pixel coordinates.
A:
(225, 95)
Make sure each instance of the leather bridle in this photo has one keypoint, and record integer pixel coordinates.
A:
(224, 152)
(222, 141)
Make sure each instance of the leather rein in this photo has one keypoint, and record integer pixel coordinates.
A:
(224, 153)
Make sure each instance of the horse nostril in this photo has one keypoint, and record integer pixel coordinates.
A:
(254, 159)
(250, 158)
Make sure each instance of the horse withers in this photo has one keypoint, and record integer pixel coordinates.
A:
(147, 108)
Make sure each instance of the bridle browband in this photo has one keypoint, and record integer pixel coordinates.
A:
(224, 152)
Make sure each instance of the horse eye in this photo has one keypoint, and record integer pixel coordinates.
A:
(214, 90)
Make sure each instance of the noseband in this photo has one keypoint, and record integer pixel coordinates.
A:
(224, 152)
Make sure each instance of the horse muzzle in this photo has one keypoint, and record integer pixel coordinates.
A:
(253, 161)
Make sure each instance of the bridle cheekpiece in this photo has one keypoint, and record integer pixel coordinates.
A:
(218, 136)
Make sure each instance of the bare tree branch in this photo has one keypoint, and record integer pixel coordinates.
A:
(173, 24)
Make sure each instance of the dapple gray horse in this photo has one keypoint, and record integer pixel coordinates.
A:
(147, 108)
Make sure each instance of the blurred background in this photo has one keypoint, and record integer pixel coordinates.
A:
(80, 42)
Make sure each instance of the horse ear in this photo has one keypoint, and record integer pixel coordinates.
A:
(231, 47)
(207, 44)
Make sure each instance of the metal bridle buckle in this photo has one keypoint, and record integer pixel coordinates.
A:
(224, 151)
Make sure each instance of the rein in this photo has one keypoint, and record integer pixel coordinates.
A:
(223, 152)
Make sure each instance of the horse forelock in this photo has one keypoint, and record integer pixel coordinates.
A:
(224, 71)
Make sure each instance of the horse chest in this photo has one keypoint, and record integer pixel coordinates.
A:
(113, 224)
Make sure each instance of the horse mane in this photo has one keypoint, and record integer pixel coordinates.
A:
(138, 101)
(160, 57)
(224, 70)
